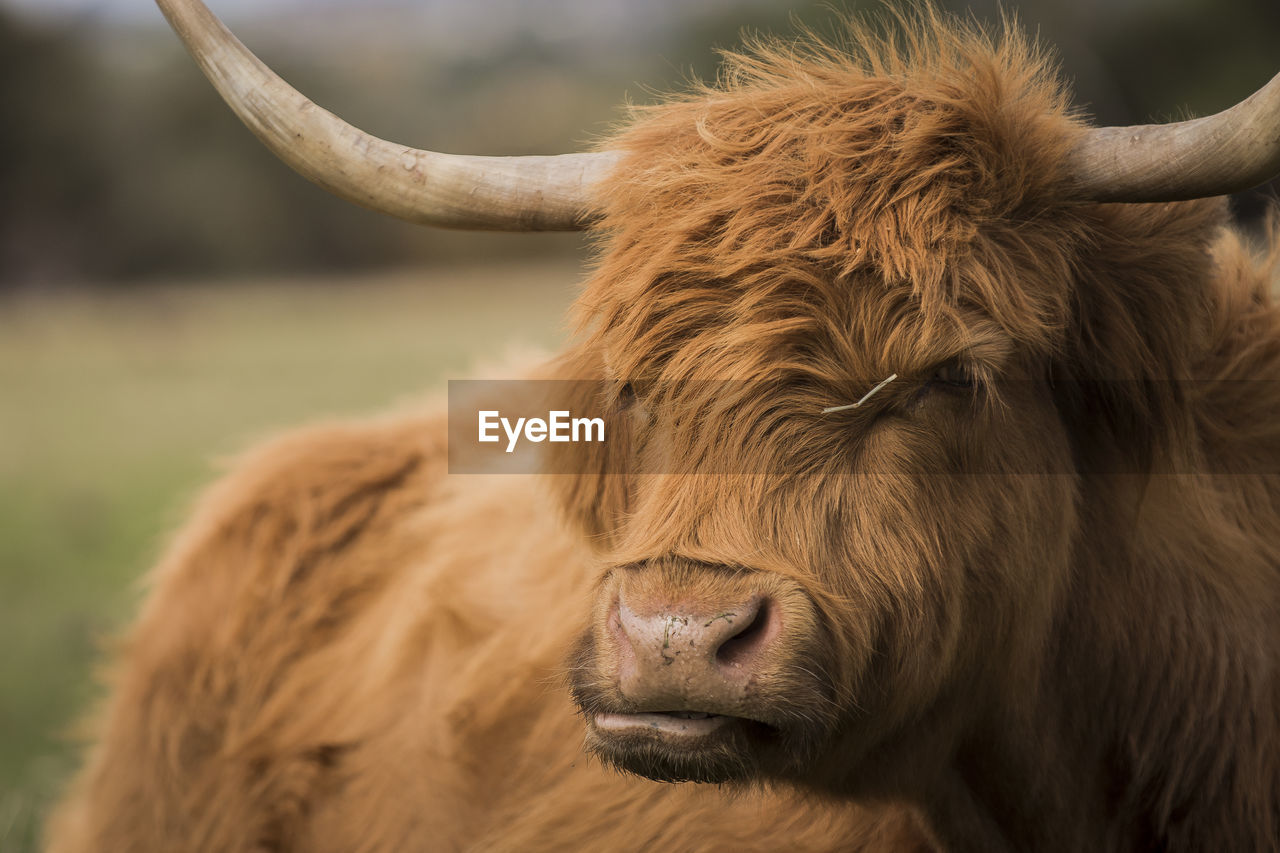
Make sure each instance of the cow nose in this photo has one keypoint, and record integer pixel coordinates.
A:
(698, 657)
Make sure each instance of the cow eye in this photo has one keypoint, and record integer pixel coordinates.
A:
(626, 396)
(953, 374)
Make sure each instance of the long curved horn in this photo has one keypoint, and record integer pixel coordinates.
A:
(446, 190)
(1224, 153)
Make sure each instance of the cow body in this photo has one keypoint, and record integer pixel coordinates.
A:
(1026, 598)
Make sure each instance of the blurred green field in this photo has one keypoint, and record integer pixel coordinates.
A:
(115, 408)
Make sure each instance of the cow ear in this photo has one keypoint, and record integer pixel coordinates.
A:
(590, 480)
(1141, 311)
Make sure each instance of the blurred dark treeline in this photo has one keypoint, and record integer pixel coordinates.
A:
(119, 164)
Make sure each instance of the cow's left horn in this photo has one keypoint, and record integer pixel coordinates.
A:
(1224, 153)
(446, 190)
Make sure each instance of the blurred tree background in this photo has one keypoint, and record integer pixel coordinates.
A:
(118, 163)
(169, 292)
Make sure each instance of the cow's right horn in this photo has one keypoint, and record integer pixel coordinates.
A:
(445, 190)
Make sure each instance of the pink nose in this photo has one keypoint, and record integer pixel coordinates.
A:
(694, 657)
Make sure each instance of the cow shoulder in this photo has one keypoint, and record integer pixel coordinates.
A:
(226, 711)
(300, 531)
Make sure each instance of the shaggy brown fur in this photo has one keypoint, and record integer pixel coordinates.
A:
(1074, 649)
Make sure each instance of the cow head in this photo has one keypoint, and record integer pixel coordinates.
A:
(813, 591)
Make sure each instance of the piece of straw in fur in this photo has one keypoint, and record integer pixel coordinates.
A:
(865, 397)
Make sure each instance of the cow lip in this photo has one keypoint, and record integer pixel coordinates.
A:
(681, 723)
(681, 746)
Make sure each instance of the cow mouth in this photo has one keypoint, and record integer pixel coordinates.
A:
(680, 746)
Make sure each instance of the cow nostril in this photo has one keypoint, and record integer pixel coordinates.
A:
(754, 634)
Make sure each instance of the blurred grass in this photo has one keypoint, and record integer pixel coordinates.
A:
(114, 404)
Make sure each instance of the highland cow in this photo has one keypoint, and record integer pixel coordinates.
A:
(1023, 596)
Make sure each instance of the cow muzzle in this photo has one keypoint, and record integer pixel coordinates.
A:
(687, 659)
(692, 657)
